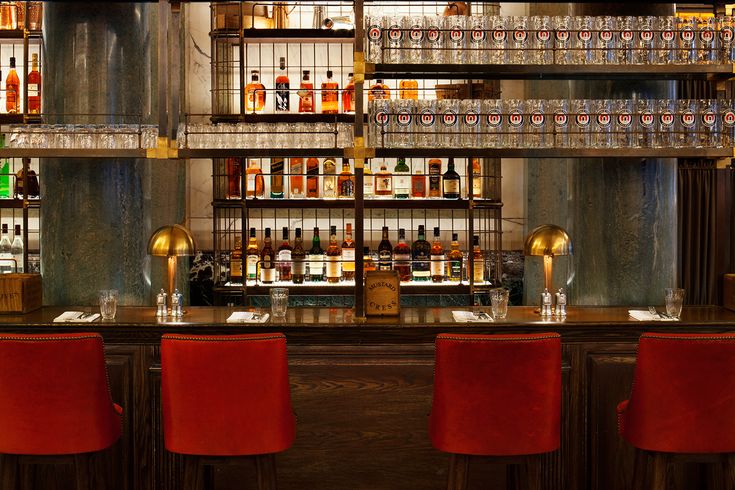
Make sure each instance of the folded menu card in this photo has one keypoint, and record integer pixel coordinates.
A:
(471, 316)
(76, 317)
(647, 316)
(248, 317)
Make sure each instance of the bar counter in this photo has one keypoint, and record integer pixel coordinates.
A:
(362, 394)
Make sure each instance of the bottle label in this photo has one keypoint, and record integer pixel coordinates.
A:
(479, 272)
(316, 265)
(402, 259)
(348, 259)
(267, 275)
(267, 262)
(369, 186)
(282, 98)
(250, 183)
(437, 265)
(32, 89)
(451, 186)
(299, 267)
(384, 260)
(252, 266)
(284, 256)
(334, 268)
(236, 268)
(476, 186)
(383, 183)
(455, 270)
(419, 271)
(403, 184)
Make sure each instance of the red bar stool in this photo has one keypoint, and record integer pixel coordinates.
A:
(226, 397)
(499, 396)
(55, 405)
(682, 404)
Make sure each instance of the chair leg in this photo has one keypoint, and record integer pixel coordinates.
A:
(193, 474)
(660, 469)
(8, 471)
(640, 467)
(265, 467)
(459, 465)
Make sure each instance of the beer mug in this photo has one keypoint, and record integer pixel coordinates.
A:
(426, 123)
(601, 123)
(455, 27)
(646, 129)
(562, 25)
(401, 123)
(536, 131)
(470, 124)
(579, 110)
(518, 42)
(493, 119)
(448, 126)
(393, 39)
(378, 117)
(687, 36)
(542, 44)
(515, 126)
(413, 32)
(477, 39)
(626, 39)
(374, 34)
(727, 122)
(666, 43)
(645, 53)
(435, 52)
(709, 124)
(558, 110)
(605, 52)
(707, 42)
(623, 135)
(666, 117)
(725, 26)
(687, 124)
(498, 40)
(583, 40)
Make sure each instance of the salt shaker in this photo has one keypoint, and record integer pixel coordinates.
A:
(546, 301)
(177, 304)
(161, 304)
(561, 303)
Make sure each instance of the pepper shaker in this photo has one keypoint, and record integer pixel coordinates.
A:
(161, 304)
(546, 303)
(561, 303)
(177, 307)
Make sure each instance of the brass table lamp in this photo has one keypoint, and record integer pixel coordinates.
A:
(171, 241)
(547, 241)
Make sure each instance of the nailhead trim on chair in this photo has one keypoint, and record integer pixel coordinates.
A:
(517, 339)
(222, 339)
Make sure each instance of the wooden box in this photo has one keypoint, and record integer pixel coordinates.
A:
(382, 293)
(728, 291)
(20, 293)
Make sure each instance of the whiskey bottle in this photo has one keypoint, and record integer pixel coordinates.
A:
(234, 178)
(385, 252)
(296, 179)
(437, 258)
(383, 182)
(306, 94)
(330, 95)
(316, 258)
(267, 260)
(368, 181)
(298, 258)
(450, 182)
(236, 261)
(12, 89)
(334, 254)
(402, 257)
(348, 255)
(421, 251)
(476, 179)
(454, 257)
(346, 181)
(378, 91)
(16, 250)
(6, 264)
(435, 177)
(284, 258)
(329, 181)
(277, 178)
(348, 96)
(254, 93)
(34, 87)
(283, 95)
(402, 180)
(252, 257)
(367, 260)
(408, 89)
(254, 182)
(478, 273)
(312, 177)
(418, 184)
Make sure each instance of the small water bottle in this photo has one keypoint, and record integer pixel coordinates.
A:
(546, 303)
(161, 304)
(561, 303)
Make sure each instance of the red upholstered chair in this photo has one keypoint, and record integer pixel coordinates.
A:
(496, 395)
(55, 400)
(226, 396)
(682, 404)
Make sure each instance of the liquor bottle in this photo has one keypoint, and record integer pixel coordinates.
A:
(385, 252)
(478, 273)
(476, 178)
(435, 177)
(348, 255)
(12, 89)
(16, 250)
(236, 261)
(252, 258)
(296, 179)
(312, 177)
(383, 182)
(378, 91)
(234, 178)
(418, 184)
(283, 84)
(284, 258)
(6, 264)
(306, 94)
(254, 93)
(298, 258)
(267, 260)
(329, 181)
(254, 181)
(334, 254)
(316, 258)
(454, 257)
(5, 189)
(277, 178)
(346, 181)
(421, 251)
(34, 87)
(348, 96)
(402, 257)
(450, 182)
(408, 89)
(367, 260)
(330, 95)
(437, 258)
(368, 180)
(402, 180)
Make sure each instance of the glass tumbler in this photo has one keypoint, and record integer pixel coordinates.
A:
(498, 40)
(477, 42)
(499, 303)
(108, 303)
(674, 301)
(279, 302)
(518, 42)
(562, 25)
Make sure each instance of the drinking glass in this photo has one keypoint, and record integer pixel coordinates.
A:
(562, 25)
(537, 132)
(401, 123)
(727, 119)
(435, 52)
(558, 109)
(687, 125)
(279, 302)
(515, 126)
(477, 42)
(605, 52)
(492, 111)
(645, 53)
(665, 113)
(707, 42)
(580, 130)
(666, 45)
(426, 125)
(518, 42)
(498, 39)
(687, 30)
(378, 111)
(725, 26)
(674, 302)
(448, 112)
(414, 38)
(455, 27)
(582, 40)
(626, 39)
(470, 110)
(108, 303)
(709, 124)
(601, 123)
(499, 303)
(624, 137)
(394, 39)
(374, 33)
(542, 51)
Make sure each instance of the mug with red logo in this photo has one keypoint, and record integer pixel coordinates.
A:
(687, 124)
(666, 40)
(515, 127)
(374, 34)
(477, 39)
(623, 121)
(579, 131)
(645, 41)
(583, 40)
(562, 25)
(686, 29)
(707, 42)
(605, 40)
(727, 122)
(709, 124)
(602, 122)
(493, 122)
(498, 43)
(542, 42)
(558, 111)
(518, 43)
(470, 122)
(537, 132)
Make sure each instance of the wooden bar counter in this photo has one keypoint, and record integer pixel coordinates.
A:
(362, 394)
